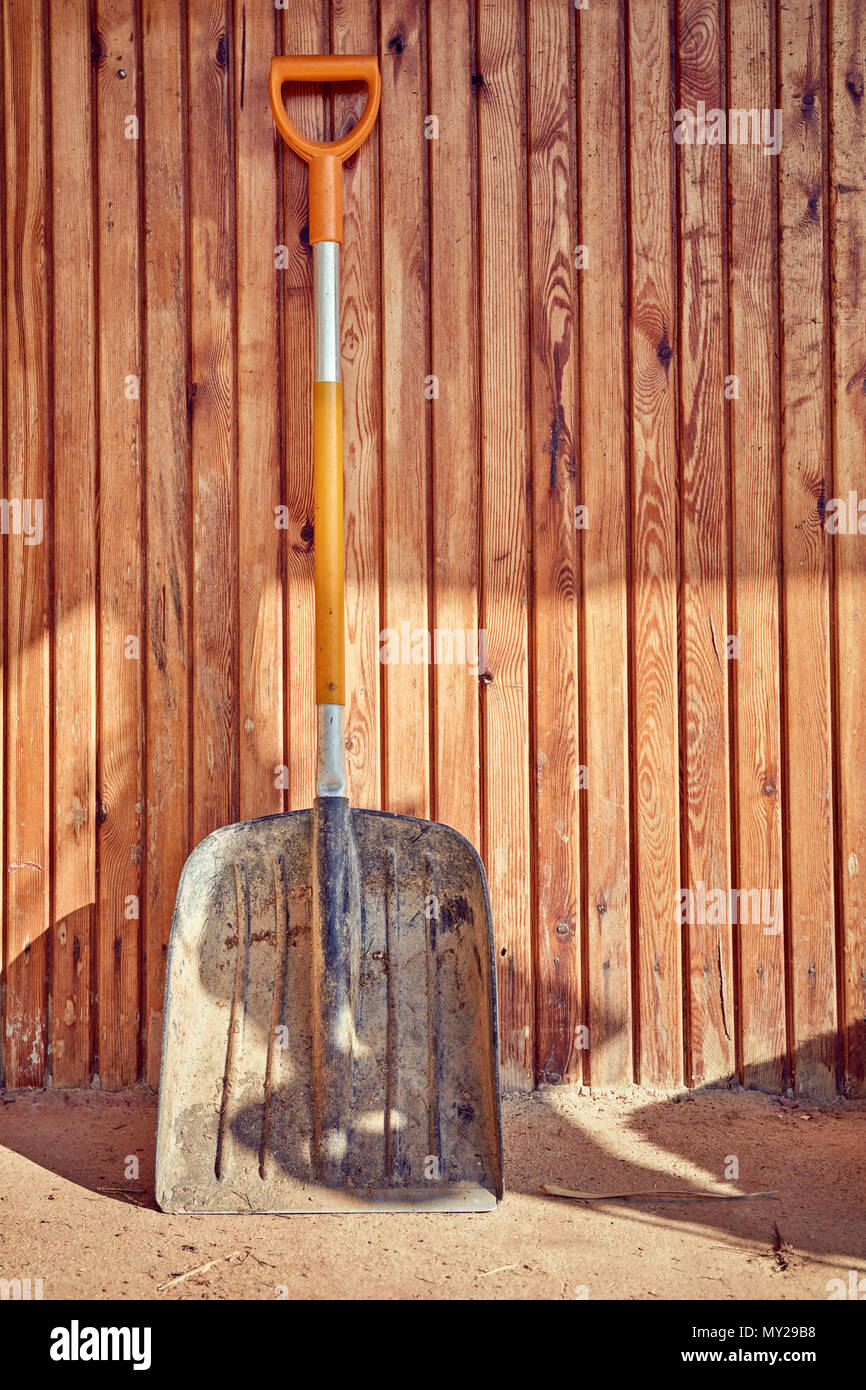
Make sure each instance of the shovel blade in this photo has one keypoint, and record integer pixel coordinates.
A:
(322, 1058)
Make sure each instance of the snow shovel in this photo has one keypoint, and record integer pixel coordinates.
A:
(329, 1040)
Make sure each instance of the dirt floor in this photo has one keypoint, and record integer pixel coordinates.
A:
(73, 1213)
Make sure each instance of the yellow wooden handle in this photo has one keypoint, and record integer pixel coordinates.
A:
(328, 534)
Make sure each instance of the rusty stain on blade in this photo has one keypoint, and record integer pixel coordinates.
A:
(281, 925)
(392, 1140)
(237, 1014)
(431, 915)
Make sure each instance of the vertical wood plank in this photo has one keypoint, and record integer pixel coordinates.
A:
(405, 364)
(455, 420)
(214, 482)
(260, 716)
(504, 412)
(168, 492)
(805, 479)
(121, 636)
(353, 30)
(755, 533)
(847, 66)
(604, 489)
(4, 572)
(654, 547)
(711, 1041)
(74, 617)
(550, 65)
(27, 869)
(304, 31)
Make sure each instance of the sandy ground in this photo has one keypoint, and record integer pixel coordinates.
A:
(70, 1216)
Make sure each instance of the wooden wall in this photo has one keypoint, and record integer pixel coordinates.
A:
(584, 291)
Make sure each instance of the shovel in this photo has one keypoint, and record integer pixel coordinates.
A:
(329, 1040)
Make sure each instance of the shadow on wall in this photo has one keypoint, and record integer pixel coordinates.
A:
(76, 930)
(118, 953)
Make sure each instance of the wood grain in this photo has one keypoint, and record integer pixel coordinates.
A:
(121, 637)
(551, 305)
(499, 85)
(654, 508)
(555, 495)
(454, 414)
(405, 412)
(74, 941)
(4, 575)
(702, 352)
(27, 869)
(847, 232)
(755, 463)
(606, 911)
(168, 504)
(806, 557)
(214, 416)
(259, 463)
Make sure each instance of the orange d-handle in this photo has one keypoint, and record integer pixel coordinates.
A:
(325, 157)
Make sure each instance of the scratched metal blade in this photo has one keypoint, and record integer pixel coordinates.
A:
(238, 1095)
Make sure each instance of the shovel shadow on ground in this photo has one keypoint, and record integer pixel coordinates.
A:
(581, 1142)
(801, 1152)
(91, 1138)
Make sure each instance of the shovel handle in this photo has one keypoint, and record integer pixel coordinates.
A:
(328, 550)
(325, 157)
